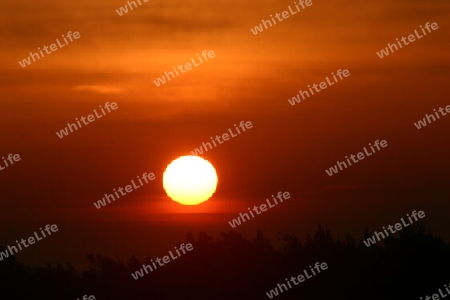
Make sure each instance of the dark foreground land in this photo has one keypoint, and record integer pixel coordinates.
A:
(410, 265)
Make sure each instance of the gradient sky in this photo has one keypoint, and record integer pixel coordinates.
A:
(250, 78)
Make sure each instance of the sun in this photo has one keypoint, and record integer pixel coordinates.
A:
(190, 180)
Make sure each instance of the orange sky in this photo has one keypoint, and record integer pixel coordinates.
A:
(250, 78)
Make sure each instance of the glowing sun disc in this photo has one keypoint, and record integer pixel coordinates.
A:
(190, 180)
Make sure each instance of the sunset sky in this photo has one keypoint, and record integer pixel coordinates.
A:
(250, 78)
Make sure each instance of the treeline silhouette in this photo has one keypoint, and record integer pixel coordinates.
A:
(409, 265)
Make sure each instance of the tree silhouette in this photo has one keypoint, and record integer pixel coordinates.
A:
(410, 264)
